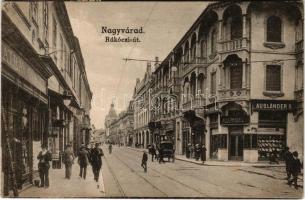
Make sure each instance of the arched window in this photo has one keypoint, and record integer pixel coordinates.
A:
(236, 28)
(186, 53)
(274, 29)
(213, 42)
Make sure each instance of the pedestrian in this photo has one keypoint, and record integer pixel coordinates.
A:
(296, 167)
(203, 154)
(144, 161)
(110, 148)
(197, 151)
(68, 159)
(188, 150)
(96, 161)
(288, 157)
(44, 158)
(83, 161)
(153, 153)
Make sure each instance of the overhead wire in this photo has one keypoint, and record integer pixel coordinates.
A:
(130, 52)
(254, 61)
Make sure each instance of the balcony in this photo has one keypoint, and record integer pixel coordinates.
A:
(234, 45)
(299, 95)
(234, 94)
(193, 104)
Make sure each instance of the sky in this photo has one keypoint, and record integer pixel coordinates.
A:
(111, 79)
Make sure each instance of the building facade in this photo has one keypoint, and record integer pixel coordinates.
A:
(41, 98)
(141, 96)
(121, 129)
(234, 82)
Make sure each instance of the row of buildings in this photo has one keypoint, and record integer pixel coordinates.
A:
(46, 97)
(234, 83)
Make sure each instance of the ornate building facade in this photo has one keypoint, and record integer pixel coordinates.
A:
(234, 82)
(46, 98)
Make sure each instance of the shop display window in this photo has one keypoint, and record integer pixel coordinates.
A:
(268, 144)
(218, 141)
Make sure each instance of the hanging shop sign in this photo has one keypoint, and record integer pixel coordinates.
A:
(22, 68)
(271, 105)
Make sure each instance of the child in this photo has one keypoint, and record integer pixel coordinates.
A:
(144, 161)
(296, 167)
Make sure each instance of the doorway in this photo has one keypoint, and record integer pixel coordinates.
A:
(236, 143)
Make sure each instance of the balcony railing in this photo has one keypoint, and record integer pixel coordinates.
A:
(234, 94)
(234, 45)
(193, 104)
(299, 95)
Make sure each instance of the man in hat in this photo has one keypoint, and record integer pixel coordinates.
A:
(44, 158)
(68, 159)
(83, 160)
(96, 161)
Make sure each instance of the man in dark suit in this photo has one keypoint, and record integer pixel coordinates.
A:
(44, 158)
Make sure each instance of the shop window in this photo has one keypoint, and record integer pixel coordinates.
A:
(273, 78)
(220, 140)
(270, 144)
(274, 29)
(272, 119)
(250, 141)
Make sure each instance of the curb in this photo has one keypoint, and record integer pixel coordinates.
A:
(239, 164)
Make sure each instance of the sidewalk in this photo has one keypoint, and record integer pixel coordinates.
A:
(61, 187)
(222, 163)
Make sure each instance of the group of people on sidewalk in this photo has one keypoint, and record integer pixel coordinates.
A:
(293, 167)
(196, 152)
(86, 156)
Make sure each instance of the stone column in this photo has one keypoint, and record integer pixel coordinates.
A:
(218, 44)
(197, 56)
(244, 74)
(244, 25)
(248, 75)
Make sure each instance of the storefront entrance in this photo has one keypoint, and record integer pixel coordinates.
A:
(236, 143)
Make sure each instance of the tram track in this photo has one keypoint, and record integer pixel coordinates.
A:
(172, 179)
(185, 185)
(115, 178)
(145, 179)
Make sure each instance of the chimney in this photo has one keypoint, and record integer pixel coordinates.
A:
(138, 81)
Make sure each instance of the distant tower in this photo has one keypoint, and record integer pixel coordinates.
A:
(110, 117)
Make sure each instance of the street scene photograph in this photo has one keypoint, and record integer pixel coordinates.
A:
(152, 99)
